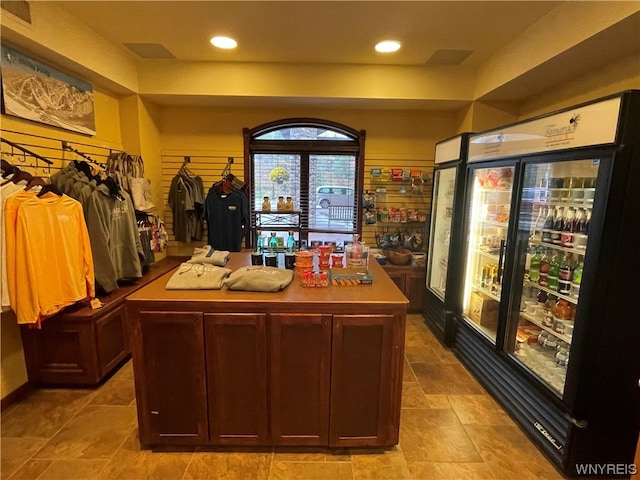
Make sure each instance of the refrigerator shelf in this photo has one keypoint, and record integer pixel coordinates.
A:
(543, 365)
(552, 292)
(490, 255)
(578, 251)
(533, 320)
(494, 223)
(487, 292)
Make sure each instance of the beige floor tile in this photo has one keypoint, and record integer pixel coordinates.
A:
(450, 471)
(73, 470)
(43, 412)
(229, 466)
(420, 354)
(115, 392)
(445, 379)
(15, 452)
(30, 470)
(94, 434)
(124, 373)
(306, 454)
(413, 396)
(479, 410)
(379, 465)
(311, 471)
(416, 335)
(443, 354)
(131, 463)
(437, 401)
(435, 436)
(407, 372)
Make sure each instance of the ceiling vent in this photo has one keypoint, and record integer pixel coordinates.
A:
(449, 57)
(149, 50)
(19, 8)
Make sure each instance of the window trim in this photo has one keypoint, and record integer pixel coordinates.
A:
(355, 146)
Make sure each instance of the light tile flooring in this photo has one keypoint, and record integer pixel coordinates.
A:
(450, 429)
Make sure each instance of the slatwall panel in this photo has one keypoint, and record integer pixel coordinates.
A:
(420, 202)
(209, 166)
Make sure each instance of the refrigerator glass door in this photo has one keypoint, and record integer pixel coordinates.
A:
(553, 228)
(488, 224)
(441, 220)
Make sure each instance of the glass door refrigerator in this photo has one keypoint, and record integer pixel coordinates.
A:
(549, 312)
(444, 233)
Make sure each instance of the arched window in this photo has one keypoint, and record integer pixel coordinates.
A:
(319, 164)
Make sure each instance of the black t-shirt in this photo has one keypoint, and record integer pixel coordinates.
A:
(226, 214)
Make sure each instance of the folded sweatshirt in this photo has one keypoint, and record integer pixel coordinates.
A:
(208, 255)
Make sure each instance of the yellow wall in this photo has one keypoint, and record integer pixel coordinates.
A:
(13, 372)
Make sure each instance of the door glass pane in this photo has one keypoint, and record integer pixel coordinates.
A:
(488, 224)
(553, 231)
(441, 219)
(332, 197)
(276, 175)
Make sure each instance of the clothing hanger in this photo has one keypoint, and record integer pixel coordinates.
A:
(7, 168)
(49, 187)
(19, 175)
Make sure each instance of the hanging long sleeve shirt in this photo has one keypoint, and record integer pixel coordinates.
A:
(54, 266)
(115, 240)
(5, 192)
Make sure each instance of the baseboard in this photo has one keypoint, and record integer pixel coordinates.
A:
(16, 396)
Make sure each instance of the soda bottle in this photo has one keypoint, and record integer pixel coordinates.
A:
(558, 226)
(534, 266)
(554, 271)
(576, 280)
(548, 226)
(545, 264)
(566, 238)
(566, 274)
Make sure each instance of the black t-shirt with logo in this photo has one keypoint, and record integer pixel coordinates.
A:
(226, 214)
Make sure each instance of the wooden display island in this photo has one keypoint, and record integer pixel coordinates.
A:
(304, 366)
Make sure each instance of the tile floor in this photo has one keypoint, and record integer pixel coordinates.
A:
(450, 429)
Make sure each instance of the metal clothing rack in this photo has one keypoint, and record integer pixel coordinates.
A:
(26, 150)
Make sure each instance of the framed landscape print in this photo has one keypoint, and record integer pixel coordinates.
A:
(38, 92)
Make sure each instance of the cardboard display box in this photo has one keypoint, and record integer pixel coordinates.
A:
(483, 310)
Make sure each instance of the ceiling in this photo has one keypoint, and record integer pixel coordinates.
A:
(327, 32)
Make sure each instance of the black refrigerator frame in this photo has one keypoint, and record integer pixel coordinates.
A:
(438, 313)
(593, 427)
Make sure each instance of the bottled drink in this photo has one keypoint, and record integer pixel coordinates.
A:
(566, 238)
(586, 222)
(542, 297)
(576, 280)
(547, 226)
(539, 224)
(566, 274)
(545, 264)
(558, 226)
(273, 242)
(259, 241)
(580, 221)
(291, 242)
(534, 266)
(554, 271)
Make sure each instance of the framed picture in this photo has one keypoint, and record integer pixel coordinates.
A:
(38, 92)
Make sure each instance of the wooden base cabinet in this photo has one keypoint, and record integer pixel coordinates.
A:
(169, 365)
(411, 281)
(300, 367)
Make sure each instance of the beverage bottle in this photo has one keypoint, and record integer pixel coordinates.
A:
(534, 266)
(542, 297)
(273, 242)
(554, 271)
(580, 221)
(558, 226)
(545, 265)
(549, 308)
(259, 241)
(539, 224)
(291, 242)
(566, 238)
(576, 280)
(586, 222)
(547, 226)
(566, 274)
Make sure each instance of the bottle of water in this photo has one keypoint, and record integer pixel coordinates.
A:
(291, 242)
(259, 241)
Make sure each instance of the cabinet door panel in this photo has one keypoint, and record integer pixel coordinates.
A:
(172, 390)
(300, 378)
(237, 378)
(361, 380)
(415, 285)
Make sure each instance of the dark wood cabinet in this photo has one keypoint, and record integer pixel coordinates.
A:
(315, 367)
(236, 350)
(81, 346)
(300, 378)
(411, 281)
(171, 391)
(361, 381)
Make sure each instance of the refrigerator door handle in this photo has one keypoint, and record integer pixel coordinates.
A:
(579, 423)
(503, 244)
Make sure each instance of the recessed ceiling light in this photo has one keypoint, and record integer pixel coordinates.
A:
(388, 46)
(224, 42)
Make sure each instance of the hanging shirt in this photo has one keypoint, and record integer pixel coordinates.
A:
(54, 267)
(226, 215)
(115, 241)
(5, 192)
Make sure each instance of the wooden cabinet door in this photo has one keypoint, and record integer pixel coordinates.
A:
(170, 384)
(397, 276)
(415, 284)
(300, 378)
(237, 378)
(362, 392)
